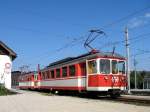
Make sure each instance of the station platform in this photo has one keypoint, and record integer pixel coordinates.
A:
(140, 90)
(139, 97)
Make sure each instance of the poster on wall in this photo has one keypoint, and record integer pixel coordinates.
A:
(5, 71)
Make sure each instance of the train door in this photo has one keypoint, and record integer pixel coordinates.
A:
(35, 79)
(81, 71)
(92, 68)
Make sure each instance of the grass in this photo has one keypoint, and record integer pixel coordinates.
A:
(4, 91)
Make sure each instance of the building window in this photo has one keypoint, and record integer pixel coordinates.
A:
(52, 74)
(114, 67)
(64, 72)
(57, 73)
(72, 70)
(92, 67)
(105, 66)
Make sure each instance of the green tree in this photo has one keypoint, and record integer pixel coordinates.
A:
(132, 85)
(140, 76)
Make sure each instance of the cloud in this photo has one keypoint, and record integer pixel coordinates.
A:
(139, 21)
(147, 15)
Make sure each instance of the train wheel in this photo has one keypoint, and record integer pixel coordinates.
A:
(114, 95)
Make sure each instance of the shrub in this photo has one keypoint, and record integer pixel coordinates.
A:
(3, 90)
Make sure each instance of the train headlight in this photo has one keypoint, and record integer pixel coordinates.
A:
(122, 78)
(105, 77)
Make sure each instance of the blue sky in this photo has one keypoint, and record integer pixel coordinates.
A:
(35, 29)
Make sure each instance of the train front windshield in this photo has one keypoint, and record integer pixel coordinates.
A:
(121, 67)
(104, 66)
(107, 66)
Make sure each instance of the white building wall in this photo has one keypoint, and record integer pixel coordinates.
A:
(5, 71)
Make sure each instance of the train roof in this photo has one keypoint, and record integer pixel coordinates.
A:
(28, 73)
(88, 56)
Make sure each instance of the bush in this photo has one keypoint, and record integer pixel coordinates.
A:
(4, 91)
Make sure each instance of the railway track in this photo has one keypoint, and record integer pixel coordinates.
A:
(142, 101)
(135, 101)
(127, 99)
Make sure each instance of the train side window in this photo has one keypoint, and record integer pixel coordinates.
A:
(114, 67)
(83, 68)
(72, 70)
(48, 74)
(92, 67)
(57, 73)
(64, 72)
(28, 78)
(105, 66)
(52, 74)
(43, 75)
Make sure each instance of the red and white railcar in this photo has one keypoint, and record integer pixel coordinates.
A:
(91, 72)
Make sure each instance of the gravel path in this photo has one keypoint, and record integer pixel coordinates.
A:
(35, 102)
